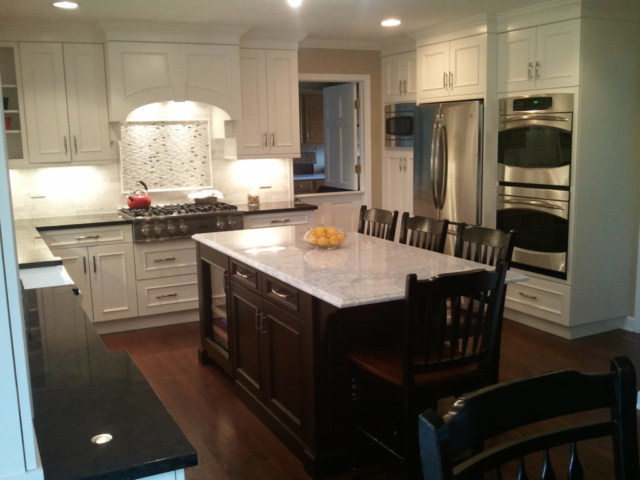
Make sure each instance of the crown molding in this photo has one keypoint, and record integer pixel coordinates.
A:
(38, 31)
(171, 32)
(465, 27)
(402, 44)
(271, 39)
(340, 44)
(543, 13)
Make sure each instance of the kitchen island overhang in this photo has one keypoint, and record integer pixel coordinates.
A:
(292, 313)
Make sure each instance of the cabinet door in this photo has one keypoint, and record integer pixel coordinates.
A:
(87, 102)
(252, 132)
(311, 108)
(433, 71)
(288, 360)
(45, 102)
(284, 111)
(245, 319)
(468, 65)
(516, 60)
(76, 263)
(407, 185)
(113, 282)
(557, 51)
(394, 183)
(410, 68)
(392, 77)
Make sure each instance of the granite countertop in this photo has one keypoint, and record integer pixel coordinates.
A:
(362, 271)
(275, 207)
(80, 390)
(32, 251)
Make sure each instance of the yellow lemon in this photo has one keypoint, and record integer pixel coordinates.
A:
(312, 239)
(321, 232)
(323, 241)
(341, 236)
(331, 232)
(334, 240)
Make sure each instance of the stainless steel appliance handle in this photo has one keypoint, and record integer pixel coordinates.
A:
(75, 144)
(265, 139)
(284, 296)
(451, 81)
(529, 77)
(66, 150)
(246, 276)
(168, 259)
(405, 87)
(400, 87)
(88, 237)
(287, 220)
(519, 118)
(537, 70)
(273, 139)
(84, 264)
(444, 171)
(167, 295)
(536, 203)
(434, 160)
(95, 267)
(444, 80)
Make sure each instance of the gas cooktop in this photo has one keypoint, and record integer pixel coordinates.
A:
(177, 209)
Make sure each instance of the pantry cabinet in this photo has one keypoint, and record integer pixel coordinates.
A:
(399, 75)
(541, 57)
(398, 188)
(452, 69)
(65, 102)
(270, 123)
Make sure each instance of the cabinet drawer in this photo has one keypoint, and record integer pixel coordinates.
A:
(540, 298)
(169, 294)
(165, 259)
(245, 275)
(276, 220)
(72, 237)
(286, 296)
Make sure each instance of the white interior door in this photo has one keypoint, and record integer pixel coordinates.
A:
(340, 136)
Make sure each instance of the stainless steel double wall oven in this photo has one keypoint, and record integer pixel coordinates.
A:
(534, 178)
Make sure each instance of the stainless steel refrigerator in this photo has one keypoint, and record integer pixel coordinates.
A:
(447, 156)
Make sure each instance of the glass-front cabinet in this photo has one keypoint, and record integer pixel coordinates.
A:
(11, 86)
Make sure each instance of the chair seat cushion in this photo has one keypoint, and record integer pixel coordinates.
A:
(386, 363)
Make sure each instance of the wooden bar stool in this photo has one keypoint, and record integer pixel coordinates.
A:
(423, 232)
(484, 245)
(436, 358)
(378, 223)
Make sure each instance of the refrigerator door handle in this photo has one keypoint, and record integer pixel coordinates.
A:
(444, 168)
(435, 167)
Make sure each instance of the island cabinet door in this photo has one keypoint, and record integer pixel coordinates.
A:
(246, 319)
(288, 359)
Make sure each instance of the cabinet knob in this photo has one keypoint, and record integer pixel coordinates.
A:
(158, 230)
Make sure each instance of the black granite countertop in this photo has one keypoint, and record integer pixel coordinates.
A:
(275, 207)
(81, 390)
(33, 253)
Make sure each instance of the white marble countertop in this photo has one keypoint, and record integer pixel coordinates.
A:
(363, 270)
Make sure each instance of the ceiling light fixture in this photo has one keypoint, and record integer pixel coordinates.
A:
(295, 3)
(390, 22)
(67, 5)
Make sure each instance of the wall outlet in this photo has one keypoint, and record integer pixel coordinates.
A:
(36, 194)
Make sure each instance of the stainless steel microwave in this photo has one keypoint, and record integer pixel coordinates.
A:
(399, 124)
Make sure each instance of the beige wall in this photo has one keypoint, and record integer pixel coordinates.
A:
(358, 62)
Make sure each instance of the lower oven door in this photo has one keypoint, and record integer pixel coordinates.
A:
(542, 232)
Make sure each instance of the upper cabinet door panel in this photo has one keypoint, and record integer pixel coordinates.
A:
(468, 65)
(87, 102)
(411, 76)
(45, 102)
(282, 94)
(516, 60)
(253, 130)
(392, 78)
(433, 71)
(558, 50)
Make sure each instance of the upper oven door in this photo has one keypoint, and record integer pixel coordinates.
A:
(535, 149)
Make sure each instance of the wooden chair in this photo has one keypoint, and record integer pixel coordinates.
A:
(378, 223)
(436, 359)
(423, 232)
(492, 411)
(484, 245)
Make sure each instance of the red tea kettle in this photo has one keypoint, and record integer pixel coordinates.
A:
(139, 198)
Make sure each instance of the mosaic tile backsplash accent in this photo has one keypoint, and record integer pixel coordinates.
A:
(168, 155)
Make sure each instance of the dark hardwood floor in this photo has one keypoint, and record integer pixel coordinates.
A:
(233, 444)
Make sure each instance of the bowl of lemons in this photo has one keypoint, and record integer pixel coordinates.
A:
(325, 237)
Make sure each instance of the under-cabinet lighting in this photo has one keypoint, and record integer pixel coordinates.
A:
(67, 5)
(294, 3)
(390, 22)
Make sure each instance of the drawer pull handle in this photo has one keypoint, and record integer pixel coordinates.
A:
(88, 237)
(246, 276)
(286, 220)
(526, 295)
(167, 295)
(280, 294)
(169, 259)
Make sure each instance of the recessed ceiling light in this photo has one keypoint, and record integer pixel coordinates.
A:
(390, 22)
(295, 3)
(67, 5)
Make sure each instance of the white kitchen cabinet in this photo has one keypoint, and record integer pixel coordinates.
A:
(270, 123)
(399, 75)
(398, 187)
(113, 282)
(65, 102)
(11, 87)
(165, 259)
(76, 263)
(168, 294)
(87, 236)
(541, 57)
(262, 220)
(141, 73)
(452, 69)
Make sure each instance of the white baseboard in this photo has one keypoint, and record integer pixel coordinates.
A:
(632, 324)
(570, 333)
(148, 321)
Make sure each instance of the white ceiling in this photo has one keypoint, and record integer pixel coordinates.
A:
(348, 20)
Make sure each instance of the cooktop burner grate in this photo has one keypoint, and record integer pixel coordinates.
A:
(178, 209)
